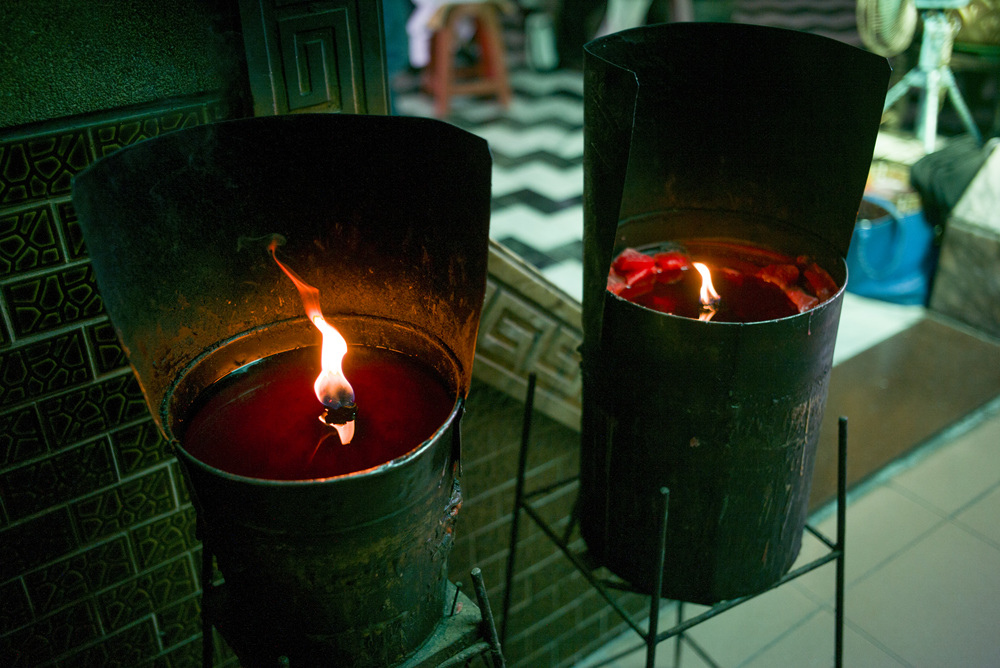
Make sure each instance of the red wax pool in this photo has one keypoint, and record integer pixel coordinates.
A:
(262, 421)
(753, 284)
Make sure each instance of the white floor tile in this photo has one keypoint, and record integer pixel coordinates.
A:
(637, 657)
(514, 141)
(747, 629)
(539, 110)
(550, 82)
(866, 322)
(983, 517)
(954, 475)
(555, 183)
(811, 645)
(880, 525)
(935, 605)
(536, 229)
(567, 276)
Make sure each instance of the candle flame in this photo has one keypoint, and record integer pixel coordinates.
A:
(331, 387)
(708, 297)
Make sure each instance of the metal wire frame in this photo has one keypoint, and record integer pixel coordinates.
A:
(652, 637)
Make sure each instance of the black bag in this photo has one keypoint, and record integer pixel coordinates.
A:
(940, 178)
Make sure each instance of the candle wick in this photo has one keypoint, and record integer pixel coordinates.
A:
(341, 419)
(340, 415)
(709, 310)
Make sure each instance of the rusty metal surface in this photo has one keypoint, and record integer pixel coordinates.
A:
(726, 132)
(387, 216)
(313, 580)
(724, 117)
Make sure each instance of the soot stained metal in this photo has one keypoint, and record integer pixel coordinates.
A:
(717, 132)
(389, 217)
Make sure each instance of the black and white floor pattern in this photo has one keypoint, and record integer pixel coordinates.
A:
(537, 146)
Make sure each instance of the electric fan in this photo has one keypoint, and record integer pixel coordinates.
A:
(887, 27)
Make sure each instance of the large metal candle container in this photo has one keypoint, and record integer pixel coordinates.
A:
(725, 134)
(332, 554)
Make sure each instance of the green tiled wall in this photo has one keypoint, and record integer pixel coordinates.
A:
(98, 557)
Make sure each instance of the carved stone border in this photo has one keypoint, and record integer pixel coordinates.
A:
(528, 325)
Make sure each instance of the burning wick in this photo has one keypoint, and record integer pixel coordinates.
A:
(708, 297)
(331, 387)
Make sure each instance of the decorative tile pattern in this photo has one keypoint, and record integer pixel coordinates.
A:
(66, 435)
(41, 166)
(43, 303)
(71, 230)
(558, 362)
(30, 544)
(28, 241)
(21, 436)
(163, 539)
(179, 622)
(41, 368)
(183, 656)
(69, 474)
(130, 647)
(111, 137)
(73, 579)
(108, 353)
(81, 414)
(180, 484)
(139, 447)
(146, 593)
(510, 329)
(51, 636)
(121, 507)
(16, 610)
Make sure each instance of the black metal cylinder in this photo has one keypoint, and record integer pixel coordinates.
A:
(347, 570)
(388, 217)
(720, 133)
(725, 415)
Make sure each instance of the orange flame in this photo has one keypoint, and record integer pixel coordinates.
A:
(708, 297)
(331, 387)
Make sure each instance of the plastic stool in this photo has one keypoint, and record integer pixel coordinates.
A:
(487, 76)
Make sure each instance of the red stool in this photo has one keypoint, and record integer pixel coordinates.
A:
(488, 76)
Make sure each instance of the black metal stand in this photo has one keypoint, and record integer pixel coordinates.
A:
(466, 631)
(652, 637)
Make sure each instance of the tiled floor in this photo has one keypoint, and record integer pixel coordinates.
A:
(923, 541)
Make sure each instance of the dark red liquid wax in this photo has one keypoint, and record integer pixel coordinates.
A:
(263, 420)
(744, 297)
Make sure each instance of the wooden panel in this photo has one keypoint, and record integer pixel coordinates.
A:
(900, 393)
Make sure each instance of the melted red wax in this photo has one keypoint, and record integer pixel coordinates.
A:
(263, 422)
(753, 284)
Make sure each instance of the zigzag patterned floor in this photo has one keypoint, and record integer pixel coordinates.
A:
(537, 145)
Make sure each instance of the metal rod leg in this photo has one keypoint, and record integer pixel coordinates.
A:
(496, 653)
(522, 463)
(955, 95)
(678, 644)
(928, 118)
(841, 535)
(913, 78)
(207, 635)
(654, 598)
